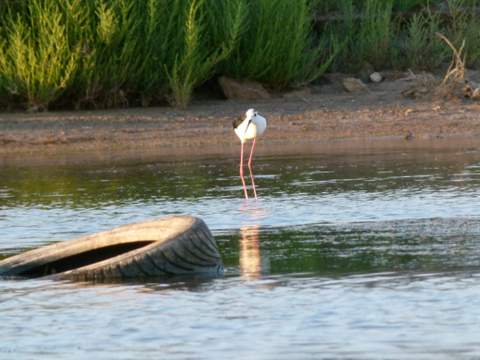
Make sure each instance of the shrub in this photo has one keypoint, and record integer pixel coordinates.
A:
(465, 25)
(108, 53)
(112, 56)
(277, 46)
(366, 38)
(152, 50)
(38, 61)
(197, 54)
(408, 5)
(375, 33)
(421, 49)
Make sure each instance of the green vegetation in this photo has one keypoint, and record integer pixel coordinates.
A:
(196, 59)
(37, 61)
(465, 25)
(418, 48)
(111, 53)
(366, 34)
(277, 46)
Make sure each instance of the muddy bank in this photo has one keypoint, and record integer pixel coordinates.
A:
(325, 118)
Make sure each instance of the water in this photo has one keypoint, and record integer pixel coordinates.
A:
(368, 255)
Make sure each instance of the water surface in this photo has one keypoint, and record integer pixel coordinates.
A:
(368, 255)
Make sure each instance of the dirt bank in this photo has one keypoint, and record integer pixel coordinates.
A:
(325, 117)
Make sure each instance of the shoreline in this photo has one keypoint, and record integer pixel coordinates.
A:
(326, 121)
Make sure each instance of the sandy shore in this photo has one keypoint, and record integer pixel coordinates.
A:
(327, 119)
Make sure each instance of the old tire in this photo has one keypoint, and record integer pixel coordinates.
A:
(176, 245)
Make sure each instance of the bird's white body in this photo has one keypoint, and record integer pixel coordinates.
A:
(251, 127)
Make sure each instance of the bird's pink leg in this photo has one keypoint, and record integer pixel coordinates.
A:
(250, 167)
(241, 172)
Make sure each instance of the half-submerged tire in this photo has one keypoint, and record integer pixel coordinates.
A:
(177, 245)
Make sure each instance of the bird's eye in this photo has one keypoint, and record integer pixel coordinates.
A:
(255, 114)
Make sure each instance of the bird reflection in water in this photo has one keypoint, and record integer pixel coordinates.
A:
(252, 264)
(250, 257)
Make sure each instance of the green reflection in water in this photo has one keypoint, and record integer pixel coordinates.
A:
(94, 185)
(88, 186)
(423, 245)
(255, 250)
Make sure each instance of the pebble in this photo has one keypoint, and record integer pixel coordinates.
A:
(376, 77)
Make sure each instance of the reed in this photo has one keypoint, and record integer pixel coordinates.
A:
(420, 48)
(152, 51)
(465, 26)
(277, 47)
(198, 54)
(38, 61)
(111, 53)
(409, 5)
(375, 33)
(366, 38)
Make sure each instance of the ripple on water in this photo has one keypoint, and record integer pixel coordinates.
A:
(341, 257)
(402, 314)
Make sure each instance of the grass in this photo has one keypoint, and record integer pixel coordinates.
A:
(116, 67)
(465, 26)
(401, 34)
(277, 48)
(113, 53)
(408, 5)
(367, 39)
(38, 61)
(420, 48)
(375, 33)
(196, 60)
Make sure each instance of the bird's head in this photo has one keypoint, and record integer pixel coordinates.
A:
(249, 117)
(250, 114)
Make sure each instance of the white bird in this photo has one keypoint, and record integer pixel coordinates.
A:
(248, 128)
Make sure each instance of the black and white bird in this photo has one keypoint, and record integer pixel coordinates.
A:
(249, 128)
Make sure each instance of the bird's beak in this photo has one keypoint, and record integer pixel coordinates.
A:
(246, 127)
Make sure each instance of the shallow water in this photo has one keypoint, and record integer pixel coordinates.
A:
(368, 255)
